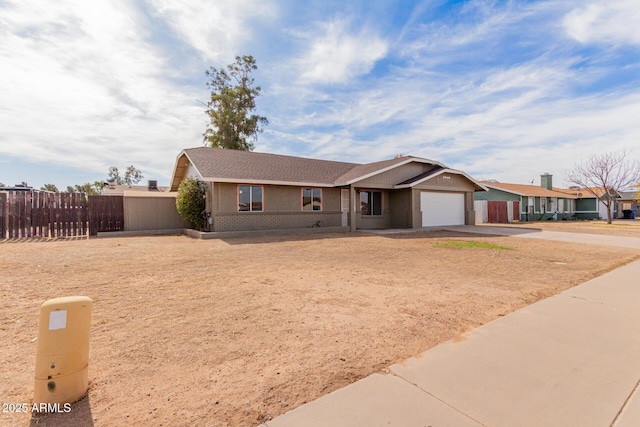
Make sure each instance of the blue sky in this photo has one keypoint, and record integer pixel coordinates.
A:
(500, 89)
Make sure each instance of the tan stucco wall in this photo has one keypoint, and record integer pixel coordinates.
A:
(224, 197)
(282, 209)
(151, 213)
(276, 198)
(441, 182)
(394, 176)
(401, 216)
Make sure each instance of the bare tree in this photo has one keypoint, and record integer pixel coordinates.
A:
(605, 175)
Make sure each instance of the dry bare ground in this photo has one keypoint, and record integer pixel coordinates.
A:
(232, 333)
(627, 227)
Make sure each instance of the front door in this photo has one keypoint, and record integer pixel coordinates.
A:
(344, 206)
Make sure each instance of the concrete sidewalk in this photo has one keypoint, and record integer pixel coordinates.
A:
(570, 360)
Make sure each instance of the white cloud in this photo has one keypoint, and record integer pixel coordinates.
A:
(606, 22)
(83, 86)
(216, 30)
(495, 89)
(338, 55)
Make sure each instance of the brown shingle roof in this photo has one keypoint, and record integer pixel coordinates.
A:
(528, 190)
(244, 165)
(585, 191)
(223, 165)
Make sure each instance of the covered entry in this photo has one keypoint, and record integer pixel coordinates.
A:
(441, 208)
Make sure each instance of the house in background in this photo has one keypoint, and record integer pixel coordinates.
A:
(546, 202)
(259, 191)
(119, 190)
(534, 202)
(589, 202)
(629, 201)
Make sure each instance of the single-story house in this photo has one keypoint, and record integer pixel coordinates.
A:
(589, 202)
(261, 191)
(629, 201)
(119, 190)
(546, 202)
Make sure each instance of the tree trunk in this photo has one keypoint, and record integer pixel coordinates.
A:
(608, 212)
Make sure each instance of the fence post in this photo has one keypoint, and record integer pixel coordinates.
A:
(3, 215)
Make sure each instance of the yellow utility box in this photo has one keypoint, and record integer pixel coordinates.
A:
(62, 359)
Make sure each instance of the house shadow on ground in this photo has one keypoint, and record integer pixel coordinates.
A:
(433, 233)
(80, 415)
(292, 237)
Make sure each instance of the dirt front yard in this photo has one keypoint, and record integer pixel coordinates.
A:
(232, 333)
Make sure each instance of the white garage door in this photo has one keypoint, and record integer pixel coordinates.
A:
(441, 208)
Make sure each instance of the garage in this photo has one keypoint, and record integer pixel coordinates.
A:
(440, 208)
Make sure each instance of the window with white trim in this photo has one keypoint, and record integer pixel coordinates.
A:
(312, 199)
(250, 198)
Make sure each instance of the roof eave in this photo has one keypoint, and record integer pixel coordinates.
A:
(505, 190)
(268, 182)
(558, 194)
(175, 182)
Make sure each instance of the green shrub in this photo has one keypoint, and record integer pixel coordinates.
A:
(190, 202)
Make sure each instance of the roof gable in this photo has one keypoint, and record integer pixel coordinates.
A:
(437, 171)
(361, 172)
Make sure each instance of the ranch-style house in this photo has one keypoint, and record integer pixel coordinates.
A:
(259, 191)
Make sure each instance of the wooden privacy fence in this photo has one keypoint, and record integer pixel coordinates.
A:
(26, 214)
(106, 214)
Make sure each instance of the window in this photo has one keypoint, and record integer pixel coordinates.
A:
(250, 198)
(312, 199)
(371, 202)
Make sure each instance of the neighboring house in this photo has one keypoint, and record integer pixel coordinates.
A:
(119, 190)
(260, 191)
(589, 202)
(629, 201)
(535, 202)
(546, 202)
(23, 188)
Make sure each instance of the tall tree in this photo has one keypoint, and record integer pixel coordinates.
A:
(608, 172)
(114, 176)
(132, 176)
(233, 99)
(87, 188)
(50, 187)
